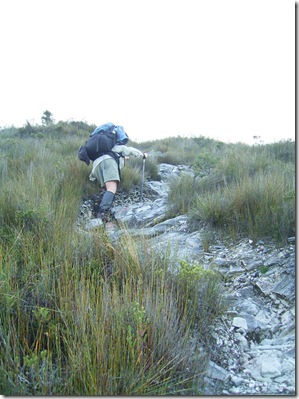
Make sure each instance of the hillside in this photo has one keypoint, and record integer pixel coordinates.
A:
(84, 315)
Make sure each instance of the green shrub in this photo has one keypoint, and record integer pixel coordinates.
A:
(199, 293)
(282, 151)
(130, 176)
(181, 195)
(151, 169)
(257, 206)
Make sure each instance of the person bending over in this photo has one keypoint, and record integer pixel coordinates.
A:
(106, 170)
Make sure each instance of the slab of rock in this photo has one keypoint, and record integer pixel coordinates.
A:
(239, 322)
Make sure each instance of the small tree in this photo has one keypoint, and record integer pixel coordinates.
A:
(47, 118)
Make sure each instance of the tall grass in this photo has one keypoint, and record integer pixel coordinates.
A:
(249, 190)
(174, 150)
(106, 321)
(181, 195)
(80, 316)
(261, 206)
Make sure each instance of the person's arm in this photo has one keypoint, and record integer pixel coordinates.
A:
(129, 151)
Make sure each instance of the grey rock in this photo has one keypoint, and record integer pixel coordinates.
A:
(270, 367)
(237, 381)
(273, 260)
(285, 287)
(239, 322)
(216, 372)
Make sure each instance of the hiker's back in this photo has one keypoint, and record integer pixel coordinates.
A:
(100, 144)
(101, 141)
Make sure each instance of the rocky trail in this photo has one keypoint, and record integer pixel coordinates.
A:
(253, 349)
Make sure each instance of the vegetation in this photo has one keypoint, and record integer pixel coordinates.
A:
(240, 189)
(79, 316)
(82, 317)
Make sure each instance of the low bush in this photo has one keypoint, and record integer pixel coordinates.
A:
(261, 206)
(243, 191)
(181, 195)
(99, 321)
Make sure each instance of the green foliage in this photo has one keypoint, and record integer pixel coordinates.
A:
(181, 195)
(82, 317)
(69, 300)
(131, 174)
(205, 163)
(47, 118)
(244, 190)
(198, 293)
(257, 206)
(130, 177)
(26, 130)
(166, 150)
(263, 269)
(283, 151)
(189, 275)
(151, 169)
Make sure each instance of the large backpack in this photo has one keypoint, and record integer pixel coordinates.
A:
(106, 128)
(101, 141)
(100, 144)
(121, 135)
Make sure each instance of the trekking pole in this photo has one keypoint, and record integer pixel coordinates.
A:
(142, 183)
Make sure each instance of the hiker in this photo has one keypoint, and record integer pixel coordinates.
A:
(106, 171)
(106, 147)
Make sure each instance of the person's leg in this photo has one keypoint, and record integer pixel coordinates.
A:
(108, 196)
(111, 179)
(107, 200)
(111, 186)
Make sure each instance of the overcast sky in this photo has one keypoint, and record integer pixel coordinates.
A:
(223, 69)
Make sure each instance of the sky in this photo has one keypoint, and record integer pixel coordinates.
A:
(223, 69)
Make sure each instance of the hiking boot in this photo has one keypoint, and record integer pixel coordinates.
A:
(107, 216)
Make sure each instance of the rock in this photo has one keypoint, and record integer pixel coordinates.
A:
(254, 265)
(239, 322)
(248, 306)
(271, 261)
(93, 223)
(216, 372)
(285, 287)
(237, 381)
(270, 367)
(242, 341)
(159, 187)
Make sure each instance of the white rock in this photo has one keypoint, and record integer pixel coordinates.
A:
(94, 223)
(270, 367)
(242, 341)
(239, 322)
(237, 381)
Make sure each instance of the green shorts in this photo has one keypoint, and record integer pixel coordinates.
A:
(107, 170)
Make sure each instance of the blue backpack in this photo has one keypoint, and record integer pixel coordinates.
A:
(101, 141)
(121, 136)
